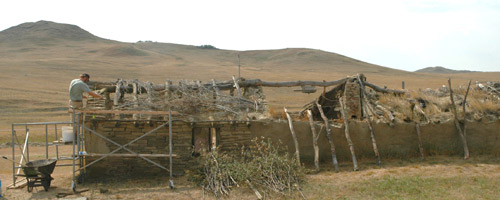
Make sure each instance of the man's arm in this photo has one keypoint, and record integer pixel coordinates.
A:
(95, 95)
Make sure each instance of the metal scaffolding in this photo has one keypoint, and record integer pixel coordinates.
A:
(25, 150)
(78, 147)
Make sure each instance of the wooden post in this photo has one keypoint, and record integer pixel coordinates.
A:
(118, 92)
(365, 104)
(374, 142)
(457, 123)
(136, 99)
(465, 98)
(329, 136)
(213, 138)
(170, 145)
(168, 91)
(216, 89)
(465, 113)
(149, 89)
(297, 153)
(347, 135)
(421, 149)
(315, 140)
(108, 104)
(199, 86)
(135, 92)
(179, 90)
(369, 108)
(237, 86)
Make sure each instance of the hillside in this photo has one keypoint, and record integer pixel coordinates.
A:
(34, 32)
(39, 59)
(442, 70)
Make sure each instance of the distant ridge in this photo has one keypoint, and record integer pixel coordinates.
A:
(442, 70)
(50, 40)
(45, 30)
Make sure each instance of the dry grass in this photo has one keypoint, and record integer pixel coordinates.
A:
(478, 102)
(276, 112)
(35, 78)
(398, 104)
(483, 103)
(435, 178)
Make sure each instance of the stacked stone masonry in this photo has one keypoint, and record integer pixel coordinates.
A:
(352, 99)
(230, 136)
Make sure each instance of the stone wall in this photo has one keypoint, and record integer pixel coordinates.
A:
(230, 136)
(352, 99)
(398, 141)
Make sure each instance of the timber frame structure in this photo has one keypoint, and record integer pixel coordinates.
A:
(166, 124)
(191, 103)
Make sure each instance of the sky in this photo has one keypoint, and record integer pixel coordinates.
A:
(401, 34)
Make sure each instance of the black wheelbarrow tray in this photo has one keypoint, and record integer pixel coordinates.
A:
(38, 173)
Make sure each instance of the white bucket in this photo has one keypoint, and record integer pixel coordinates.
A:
(67, 134)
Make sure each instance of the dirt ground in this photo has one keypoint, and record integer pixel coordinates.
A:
(150, 188)
(436, 177)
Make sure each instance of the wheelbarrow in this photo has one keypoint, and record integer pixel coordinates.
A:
(38, 173)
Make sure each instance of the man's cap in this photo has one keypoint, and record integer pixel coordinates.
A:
(85, 75)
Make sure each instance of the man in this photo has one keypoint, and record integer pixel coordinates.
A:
(76, 90)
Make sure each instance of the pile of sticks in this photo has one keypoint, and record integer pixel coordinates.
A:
(262, 167)
(188, 97)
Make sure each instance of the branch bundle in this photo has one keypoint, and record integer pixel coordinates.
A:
(262, 166)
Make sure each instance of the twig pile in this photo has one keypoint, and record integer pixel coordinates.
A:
(262, 167)
(189, 97)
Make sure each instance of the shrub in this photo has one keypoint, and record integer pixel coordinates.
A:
(206, 46)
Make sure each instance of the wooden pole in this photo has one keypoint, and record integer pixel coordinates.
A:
(168, 91)
(118, 92)
(329, 136)
(149, 89)
(389, 114)
(237, 86)
(136, 99)
(369, 108)
(465, 113)
(170, 144)
(259, 196)
(315, 140)
(421, 149)
(216, 89)
(228, 85)
(366, 104)
(457, 123)
(374, 142)
(465, 98)
(347, 135)
(297, 153)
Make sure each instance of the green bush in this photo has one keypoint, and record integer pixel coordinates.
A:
(206, 46)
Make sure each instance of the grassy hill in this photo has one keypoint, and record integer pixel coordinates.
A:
(38, 60)
(442, 70)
